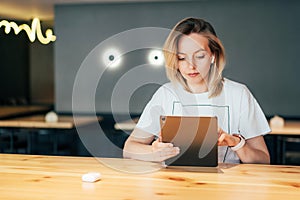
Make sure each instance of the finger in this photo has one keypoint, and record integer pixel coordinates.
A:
(160, 138)
(222, 143)
(159, 134)
(222, 137)
(219, 130)
(170, 151)
(167, 153)
(154, 144)
(159, 146)
(222, 140)
(164, 145)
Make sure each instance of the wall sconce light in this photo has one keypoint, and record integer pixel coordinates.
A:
(156, 57)
(112, 58)
(32, 32)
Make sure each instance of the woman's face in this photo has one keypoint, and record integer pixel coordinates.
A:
(194, 60)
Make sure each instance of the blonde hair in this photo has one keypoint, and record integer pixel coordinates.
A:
(170, 49)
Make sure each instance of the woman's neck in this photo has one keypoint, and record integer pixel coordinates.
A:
(198, 88)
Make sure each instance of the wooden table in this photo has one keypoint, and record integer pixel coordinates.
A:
(127, 125)
(51, 177)
(36, 122)
(14, 111)
(290, 128)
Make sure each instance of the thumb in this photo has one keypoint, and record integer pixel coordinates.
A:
(159, 137)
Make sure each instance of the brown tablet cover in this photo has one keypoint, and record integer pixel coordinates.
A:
(195, 136)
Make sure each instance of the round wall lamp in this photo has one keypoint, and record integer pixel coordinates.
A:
(112, 58)
(156, 58)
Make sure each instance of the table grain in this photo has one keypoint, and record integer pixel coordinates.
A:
(59, 177)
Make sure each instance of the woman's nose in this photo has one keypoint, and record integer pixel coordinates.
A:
(191, 64)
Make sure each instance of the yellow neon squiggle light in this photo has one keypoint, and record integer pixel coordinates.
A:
(35, 30)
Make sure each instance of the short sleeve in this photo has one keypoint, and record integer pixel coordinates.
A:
(252, 121)
(149, 120)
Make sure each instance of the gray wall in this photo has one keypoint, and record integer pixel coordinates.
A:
(261, 39)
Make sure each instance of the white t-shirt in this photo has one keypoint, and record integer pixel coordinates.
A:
(236, 109)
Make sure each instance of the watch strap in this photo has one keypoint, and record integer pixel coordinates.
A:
(240, 144)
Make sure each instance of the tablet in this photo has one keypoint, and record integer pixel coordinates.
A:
(195, 136)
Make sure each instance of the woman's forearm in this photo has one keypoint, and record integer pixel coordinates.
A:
(248, 154)
(138, 151)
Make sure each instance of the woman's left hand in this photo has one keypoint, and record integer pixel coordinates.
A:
(227, 140)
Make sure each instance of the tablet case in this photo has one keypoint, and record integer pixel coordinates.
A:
(195, 136)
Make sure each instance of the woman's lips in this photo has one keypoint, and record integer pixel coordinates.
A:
(193, 74)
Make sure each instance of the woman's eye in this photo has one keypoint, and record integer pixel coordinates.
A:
(200, 56)
(181, 58)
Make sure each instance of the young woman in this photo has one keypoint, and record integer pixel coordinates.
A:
(195, 59)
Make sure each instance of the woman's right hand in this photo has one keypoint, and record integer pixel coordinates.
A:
(162, 151)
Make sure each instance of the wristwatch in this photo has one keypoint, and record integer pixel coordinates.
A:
(240, 144)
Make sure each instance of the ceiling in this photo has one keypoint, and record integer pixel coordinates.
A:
(44, 9)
